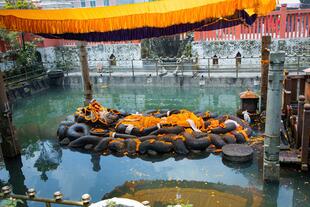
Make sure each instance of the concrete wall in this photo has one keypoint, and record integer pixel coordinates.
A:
(97, 55)
(248, 48)
(76, 81)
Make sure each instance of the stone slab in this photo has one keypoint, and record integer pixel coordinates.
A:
(290, 157)
(237, 152)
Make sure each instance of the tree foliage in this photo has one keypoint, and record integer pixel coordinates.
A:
(10, 202)
(23, 53)
(19, 4)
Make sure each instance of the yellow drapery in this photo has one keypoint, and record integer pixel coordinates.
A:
(158, 14)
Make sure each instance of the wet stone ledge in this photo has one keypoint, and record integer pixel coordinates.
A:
(26, 89)
(76, 81)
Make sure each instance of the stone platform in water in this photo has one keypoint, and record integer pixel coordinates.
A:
(237, 152)
(101, 130)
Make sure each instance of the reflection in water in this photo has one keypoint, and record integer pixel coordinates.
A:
(95, 159)
(271, 191)
(161, 193)
(16, 176)
(49, 158)
(36, 120)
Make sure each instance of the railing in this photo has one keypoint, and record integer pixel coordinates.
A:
(31, 196)
(207, 67)
(203, 67)
(15, 79)
(283, 23)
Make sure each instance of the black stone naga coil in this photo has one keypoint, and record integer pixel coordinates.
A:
(103, 130)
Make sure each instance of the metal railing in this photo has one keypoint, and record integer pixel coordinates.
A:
(6, 193)
(282, 23)
(193, 66)
(26, 76)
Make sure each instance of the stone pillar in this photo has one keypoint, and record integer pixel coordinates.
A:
(301, 102)
(305, 138)
(266, 41)
(9, 145)
(88, 92)
(273, 118)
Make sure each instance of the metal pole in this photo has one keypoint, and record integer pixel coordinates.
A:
(156, 67)
(47, 201)
(305, 138)
(266, 41)
(10, 146)
(6, 192)
(88, 92)
(194, 66)
(110, 67)
(208, 67)
(298, 61)
(132, 69)
(273, 118)
(237, 70)
(182, 67)
(300, 114)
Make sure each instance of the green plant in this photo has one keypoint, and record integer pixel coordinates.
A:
(179, 202)
(24, 53)
(10, 202)
(10, 38)
(111, 204)
(64, 60)
(181, 205)
(26, 56)
(19, 4)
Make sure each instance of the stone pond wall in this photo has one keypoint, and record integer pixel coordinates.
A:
(98, 55)
(75, 81)
(248, 48)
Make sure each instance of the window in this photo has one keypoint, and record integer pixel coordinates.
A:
(125, 2)
(83, 3)
(92, 3)
(106, 3)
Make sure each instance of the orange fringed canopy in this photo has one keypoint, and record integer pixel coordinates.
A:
(157, 14)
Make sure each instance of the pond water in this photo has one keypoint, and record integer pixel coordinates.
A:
(207, 181)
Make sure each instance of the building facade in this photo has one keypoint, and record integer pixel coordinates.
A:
(58, 4)
(98, 3)
(47, 4)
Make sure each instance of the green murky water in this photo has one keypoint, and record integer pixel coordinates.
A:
(207, 181)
